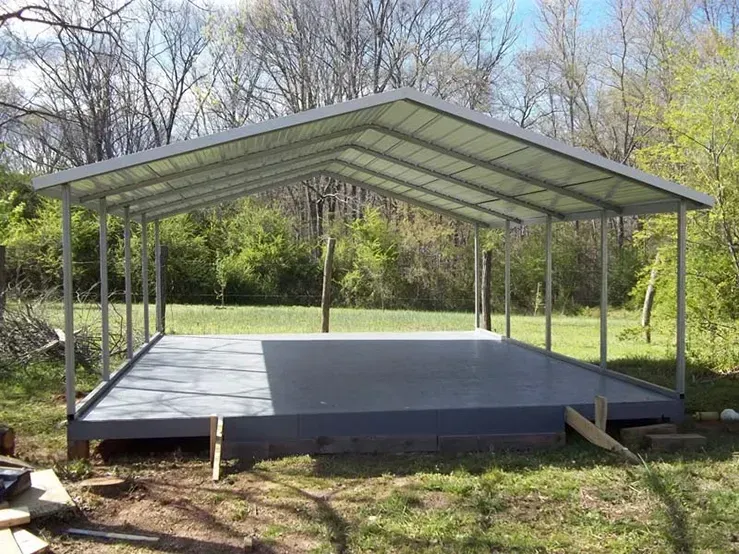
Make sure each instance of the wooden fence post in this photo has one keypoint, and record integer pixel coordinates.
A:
(3, 281)
(326, 293)
(163, 256)
(487, 260)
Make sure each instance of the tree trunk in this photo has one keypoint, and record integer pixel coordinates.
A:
(326, 293)
(646, 313)
(487, 261)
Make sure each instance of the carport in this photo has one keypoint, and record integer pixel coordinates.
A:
(417, 388)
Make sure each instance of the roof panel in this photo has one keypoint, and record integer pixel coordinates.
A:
(462, 158)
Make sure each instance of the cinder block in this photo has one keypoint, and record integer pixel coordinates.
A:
(676, 442)
(635, 437)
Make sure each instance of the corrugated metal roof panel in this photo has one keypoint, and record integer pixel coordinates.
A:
(411, 145)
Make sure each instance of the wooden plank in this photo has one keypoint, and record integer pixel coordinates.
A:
(213, 430)
(217, 450)
(10, 517)
(636, 437)
(14, 462)
(46, 496)
(30, 543)
(676, 442)
(596, 436)
(601, 412)
(7, 543)
(106, 535)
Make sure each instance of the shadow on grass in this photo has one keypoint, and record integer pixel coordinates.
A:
(678, 533)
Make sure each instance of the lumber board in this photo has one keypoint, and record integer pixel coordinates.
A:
(7, 543)
(596, 436)
(29, 543)
(14, 462)
(46, 496)
(10, 517)
(601, 412)
(217, 450)
(213, 431)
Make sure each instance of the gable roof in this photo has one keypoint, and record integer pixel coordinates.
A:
(402, 144)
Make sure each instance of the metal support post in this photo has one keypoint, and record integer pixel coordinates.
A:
(69, 372)
(681, 308)
(145, 273)
(508, 279)
(105, 337)
(127, 276)
(603, 290)
(548, 285)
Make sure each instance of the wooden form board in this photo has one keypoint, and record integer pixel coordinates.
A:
(218, 450)
(601, 412)
(7, 543)
(29, 543)
(596, 436)
(10, 517)
(46, 496)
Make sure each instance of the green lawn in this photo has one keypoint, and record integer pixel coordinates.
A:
(574, 499)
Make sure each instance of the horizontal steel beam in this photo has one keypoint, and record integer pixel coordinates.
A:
(382, 192)
(227, 179)
(245, 187)
(425, 190)
(459, 182)
(163, 214)
(498, 168)
(221, 164)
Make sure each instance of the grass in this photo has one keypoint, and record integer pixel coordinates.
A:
(574, 499)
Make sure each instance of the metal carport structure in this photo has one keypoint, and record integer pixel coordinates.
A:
(401, 144)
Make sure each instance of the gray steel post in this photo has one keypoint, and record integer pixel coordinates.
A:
(603, 290)
(477, 276)
(105, 332)
(127, 274)
(69, 373)
(681, 312)
(145, 273)
(158, 276)
(508, 279)
(548, 285)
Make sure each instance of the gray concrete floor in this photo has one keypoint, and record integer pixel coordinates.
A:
(253, 375)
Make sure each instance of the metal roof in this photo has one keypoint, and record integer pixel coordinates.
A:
(402, 144)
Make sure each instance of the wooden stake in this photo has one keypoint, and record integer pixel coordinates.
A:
(595, 435)
(487, 261)
(217, 450)
(326, 293)
(601, 412)
(213, 431)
